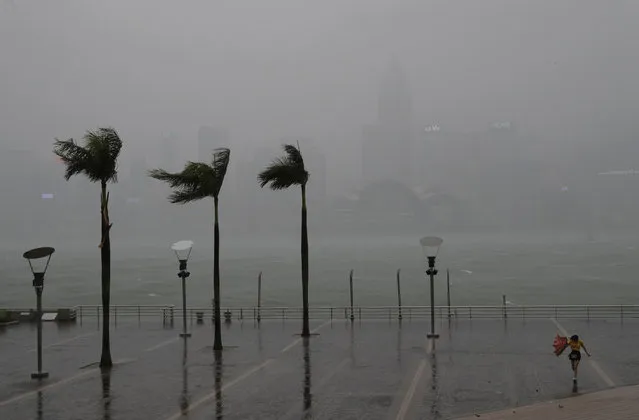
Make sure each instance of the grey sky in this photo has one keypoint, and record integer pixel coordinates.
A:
(274, 68)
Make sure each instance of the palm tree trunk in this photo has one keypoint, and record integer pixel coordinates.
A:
(217, 343)
(305, 327)
(105, 257)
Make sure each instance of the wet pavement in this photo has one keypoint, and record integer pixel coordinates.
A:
(365, 370)
(618, 404)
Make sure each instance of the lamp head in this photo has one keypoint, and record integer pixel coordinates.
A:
(182, 250)
(38, 259)
(430, 246)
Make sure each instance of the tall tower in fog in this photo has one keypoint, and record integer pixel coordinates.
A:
(388, 144)
(169, 156)
(395, 108)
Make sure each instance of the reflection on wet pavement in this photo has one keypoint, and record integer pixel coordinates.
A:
(40, 411)
(434, 409)
(219, 403)
(184, 396)
(106, 395)
(308, 399)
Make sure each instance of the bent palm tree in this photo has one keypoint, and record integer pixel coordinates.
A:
(197, 181)
(97, 160)
(281, 174)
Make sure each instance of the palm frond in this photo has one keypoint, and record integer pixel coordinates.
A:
(293, 154)
(105, 145)
(201, 175)
(197, 180)
(220, 164)
(187, 195)
(286, 171)
(76, 158)
(279, 174)
(175, 180)
(186, 184)
(97, 159)
(115, 143)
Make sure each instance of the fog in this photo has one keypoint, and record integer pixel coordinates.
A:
(412, 115)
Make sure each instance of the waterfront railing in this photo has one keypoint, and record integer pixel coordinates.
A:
(168, 312)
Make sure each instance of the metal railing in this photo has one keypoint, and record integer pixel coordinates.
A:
(170, 312)
(166, 312)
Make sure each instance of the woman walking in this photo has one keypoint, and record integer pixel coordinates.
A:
(576, 345)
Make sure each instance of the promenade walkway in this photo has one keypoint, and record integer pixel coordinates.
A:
(361, 370)
(617, 404)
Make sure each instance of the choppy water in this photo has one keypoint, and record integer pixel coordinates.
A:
(543, 269)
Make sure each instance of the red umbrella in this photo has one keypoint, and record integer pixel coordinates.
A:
(560, 343)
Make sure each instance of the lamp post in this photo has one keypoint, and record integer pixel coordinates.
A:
(430, 245)
(38, 259)
(399, 294)
(259, 297)
(448, 291)
(182, 251)
(350, 281)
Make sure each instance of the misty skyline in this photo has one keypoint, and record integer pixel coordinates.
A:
(561, 73)
(270, 69)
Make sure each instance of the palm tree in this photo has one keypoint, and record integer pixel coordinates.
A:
(282, 173)
(197, 181)
(98, 161)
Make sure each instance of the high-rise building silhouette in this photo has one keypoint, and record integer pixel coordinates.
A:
(138, 179)
(169, 153)
(388, 143)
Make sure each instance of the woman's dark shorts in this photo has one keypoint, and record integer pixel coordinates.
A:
(575, 355)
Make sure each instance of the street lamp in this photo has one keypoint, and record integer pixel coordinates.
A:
(38, 259)
(182, 251)
(399, 294)
(350, 280)
(430, 245)
(259, 297)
